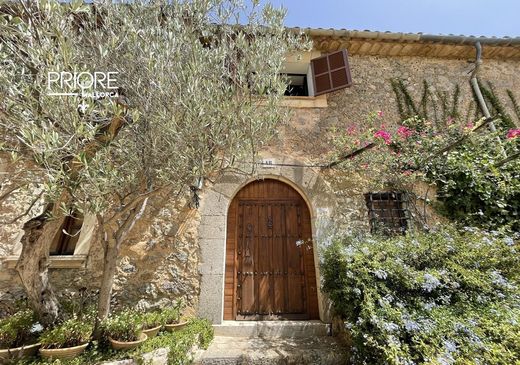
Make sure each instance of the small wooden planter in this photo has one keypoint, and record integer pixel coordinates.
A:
(63, 353)
(119, 345)
(19, 352)
(152, 332)
(175, 326)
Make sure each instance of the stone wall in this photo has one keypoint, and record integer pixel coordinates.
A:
(307, 134)
(163, 259)
(157, 265)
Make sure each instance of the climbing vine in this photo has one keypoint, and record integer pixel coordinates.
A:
(516, 107)
(438, 106)
(496, 106)
(441, 106)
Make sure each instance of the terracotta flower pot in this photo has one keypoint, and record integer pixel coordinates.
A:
(119, 345)
(175, 326)
(152, 332)
(63, 353)
(19, 352)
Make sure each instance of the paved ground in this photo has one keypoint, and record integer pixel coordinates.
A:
(322, 350)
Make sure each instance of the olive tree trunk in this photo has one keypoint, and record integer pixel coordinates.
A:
(33, 264)
(114, 236)
(39, 232)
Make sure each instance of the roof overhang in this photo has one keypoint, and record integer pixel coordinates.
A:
(411, 44)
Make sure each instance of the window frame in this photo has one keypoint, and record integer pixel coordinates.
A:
(77, 260)
(61, 245)
(305, 84)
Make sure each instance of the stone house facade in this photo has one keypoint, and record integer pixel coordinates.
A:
(252, 248)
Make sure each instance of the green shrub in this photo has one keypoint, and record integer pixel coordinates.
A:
(445, 297)
(472, 189)
(124, 326)
(18, 330)
(197, 332)
(151, 319)
(172, 314)
(72, 332)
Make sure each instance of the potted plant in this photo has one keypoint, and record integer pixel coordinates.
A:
(65, 341)
(171, 317)
(19, 335)
(152, 323)
(124, 330)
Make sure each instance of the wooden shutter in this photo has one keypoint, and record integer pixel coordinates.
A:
(331, 72)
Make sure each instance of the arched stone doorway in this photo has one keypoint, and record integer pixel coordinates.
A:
(270, 272)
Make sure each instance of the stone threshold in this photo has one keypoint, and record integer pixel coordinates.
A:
(272, 329)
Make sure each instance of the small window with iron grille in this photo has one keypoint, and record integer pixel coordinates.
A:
(387, 212)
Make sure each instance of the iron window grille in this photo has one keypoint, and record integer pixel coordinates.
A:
(388, 212)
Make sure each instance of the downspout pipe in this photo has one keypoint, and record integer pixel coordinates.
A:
(476, 88)
(480, 98)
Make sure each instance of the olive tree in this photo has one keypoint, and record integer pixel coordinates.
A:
(198, 86)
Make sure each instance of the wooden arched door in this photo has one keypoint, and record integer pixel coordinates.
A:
(270, 271)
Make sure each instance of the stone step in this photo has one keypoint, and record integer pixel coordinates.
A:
(272, 329)
(322, 350)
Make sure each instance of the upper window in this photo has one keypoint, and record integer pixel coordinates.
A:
(65, 241)
(297, 85)
(317, 76)
(387, 212)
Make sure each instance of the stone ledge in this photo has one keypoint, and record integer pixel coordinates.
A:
(305, 101)
(56, 262)
(300, 102)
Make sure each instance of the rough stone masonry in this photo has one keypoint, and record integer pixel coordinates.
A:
(163, 259)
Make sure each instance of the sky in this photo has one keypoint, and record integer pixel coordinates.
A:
(467, 17)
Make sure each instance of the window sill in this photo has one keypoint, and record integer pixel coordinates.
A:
(56, 262)
(305, 101)
(298, 102)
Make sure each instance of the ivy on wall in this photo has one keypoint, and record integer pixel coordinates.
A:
(495, 105)
(516, 108)
(437, 106)
(440, 106)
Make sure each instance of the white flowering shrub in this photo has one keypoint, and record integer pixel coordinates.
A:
(443, 297)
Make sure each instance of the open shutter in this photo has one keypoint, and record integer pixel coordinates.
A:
(331, 72)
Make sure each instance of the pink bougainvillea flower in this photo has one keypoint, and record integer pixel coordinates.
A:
(384, 135)
(513, 133)
(469, 125)
(404, 132)
(450, 120)
(380, 114)
(351, 130)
